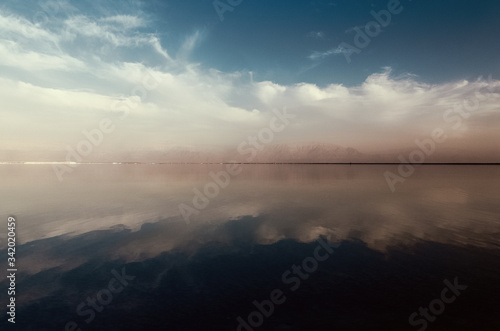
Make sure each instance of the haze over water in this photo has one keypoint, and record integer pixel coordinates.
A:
(396, 249)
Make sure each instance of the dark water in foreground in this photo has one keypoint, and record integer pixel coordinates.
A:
(318, 247)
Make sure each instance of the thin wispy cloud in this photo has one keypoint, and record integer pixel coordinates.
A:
(190, 44)
(316, 34)
(339, 50)
(124, 21)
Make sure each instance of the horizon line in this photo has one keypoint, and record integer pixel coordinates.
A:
(263, 163)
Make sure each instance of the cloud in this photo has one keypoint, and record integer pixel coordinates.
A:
(109, 33)
(14, 55)
(72, 39)
(333, 51)
(316, 34)
(125, 21)
(190, 44)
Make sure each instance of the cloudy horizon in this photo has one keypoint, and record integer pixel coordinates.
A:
(152, 85)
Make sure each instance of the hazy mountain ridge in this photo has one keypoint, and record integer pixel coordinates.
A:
(278, 153)
(308, 153)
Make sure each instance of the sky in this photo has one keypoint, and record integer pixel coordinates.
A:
(141, 77)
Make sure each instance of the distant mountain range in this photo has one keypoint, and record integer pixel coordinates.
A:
(278, 153)
(272, 153)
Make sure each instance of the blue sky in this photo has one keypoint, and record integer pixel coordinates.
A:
(438, 41)
(68, 64)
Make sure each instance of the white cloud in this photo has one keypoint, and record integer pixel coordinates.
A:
(125, 21)
(189, 45)
(316, 55)
(12, 26)
(14, 55)
(114, 31)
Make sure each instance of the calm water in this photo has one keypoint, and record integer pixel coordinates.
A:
(383, 255)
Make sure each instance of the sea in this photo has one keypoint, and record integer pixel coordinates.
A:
(249, 247)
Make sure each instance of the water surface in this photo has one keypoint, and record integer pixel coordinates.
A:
(396, 249)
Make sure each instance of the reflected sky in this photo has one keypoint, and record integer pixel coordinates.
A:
(451, 204)
(442, 222)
